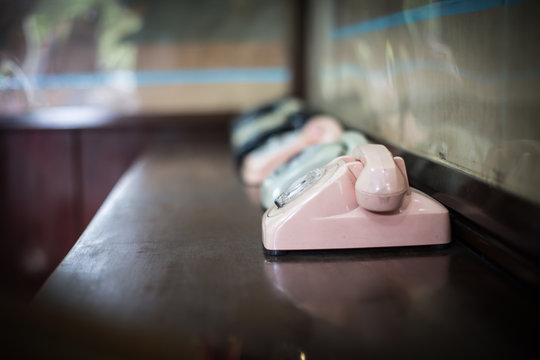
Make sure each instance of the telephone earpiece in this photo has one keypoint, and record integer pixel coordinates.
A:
(382, 183)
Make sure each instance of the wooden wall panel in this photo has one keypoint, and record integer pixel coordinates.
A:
(54, 179)
(51, 185)
(39, 205)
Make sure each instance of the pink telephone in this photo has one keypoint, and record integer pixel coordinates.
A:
(359, 201)
(263, 161)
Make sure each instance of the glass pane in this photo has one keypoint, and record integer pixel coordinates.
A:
(159, 56)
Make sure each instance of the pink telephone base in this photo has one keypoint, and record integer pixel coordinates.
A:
(421, 220)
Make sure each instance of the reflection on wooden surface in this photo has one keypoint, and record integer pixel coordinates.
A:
(176, 251)
(372, 295)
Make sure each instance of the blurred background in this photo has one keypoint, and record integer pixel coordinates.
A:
(143, 56)
(86, 85)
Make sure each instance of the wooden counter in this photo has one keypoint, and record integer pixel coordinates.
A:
(172, 266)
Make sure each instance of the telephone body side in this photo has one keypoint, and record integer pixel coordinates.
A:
(330, 213)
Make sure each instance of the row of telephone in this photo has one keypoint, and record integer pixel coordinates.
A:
(326, 188)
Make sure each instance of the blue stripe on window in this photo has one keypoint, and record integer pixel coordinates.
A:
(438, 9)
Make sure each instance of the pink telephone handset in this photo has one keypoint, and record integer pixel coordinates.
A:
(263, 161)
(383, 182)
(358, 201)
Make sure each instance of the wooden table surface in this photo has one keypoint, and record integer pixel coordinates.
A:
(172, 266)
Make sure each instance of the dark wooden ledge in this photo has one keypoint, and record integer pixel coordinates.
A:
(172, 265)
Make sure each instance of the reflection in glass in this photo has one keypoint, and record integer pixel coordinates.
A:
(139, 55)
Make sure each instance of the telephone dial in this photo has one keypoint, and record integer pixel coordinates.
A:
(312, 157)
(358, 201)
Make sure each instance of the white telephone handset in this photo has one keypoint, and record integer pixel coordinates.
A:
(382, 183)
